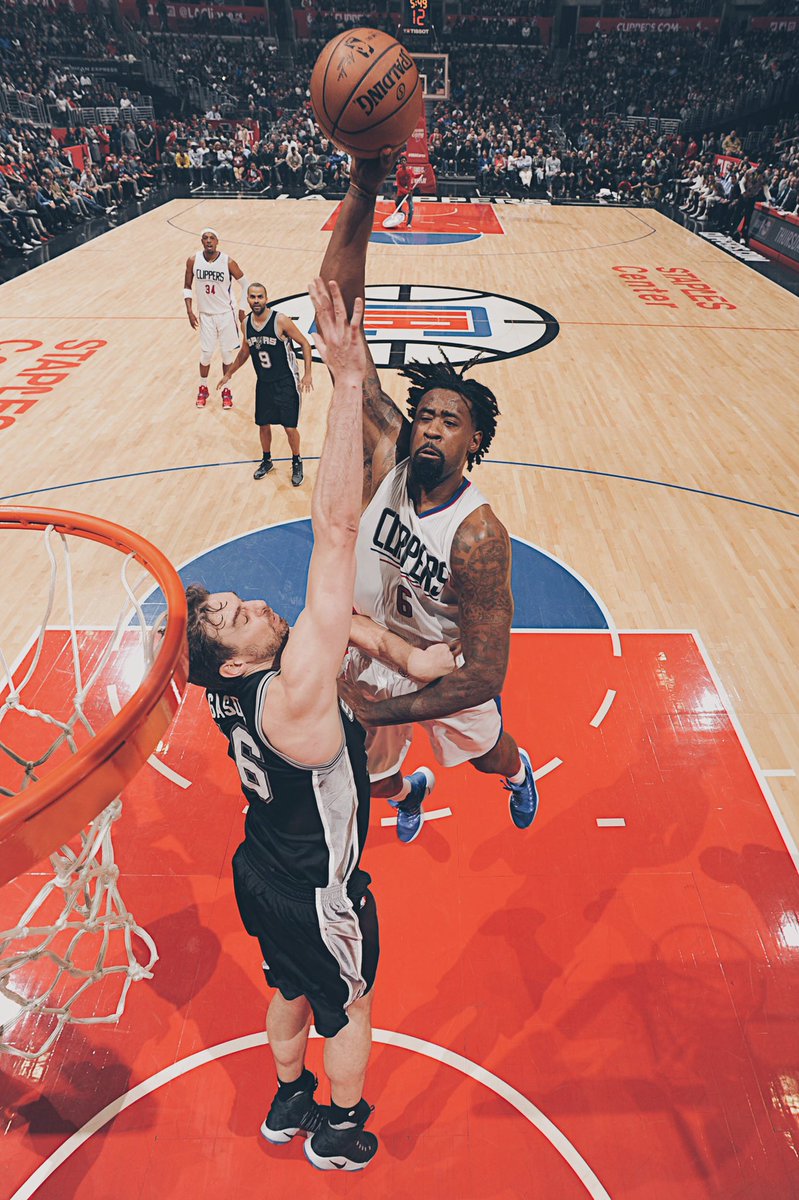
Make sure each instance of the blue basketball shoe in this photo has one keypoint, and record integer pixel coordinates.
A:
(410, 816)
(523, 796)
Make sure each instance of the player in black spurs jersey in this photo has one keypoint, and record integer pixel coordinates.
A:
(267, 338)
(300, 756)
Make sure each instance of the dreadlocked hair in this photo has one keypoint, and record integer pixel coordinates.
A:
(481, 400)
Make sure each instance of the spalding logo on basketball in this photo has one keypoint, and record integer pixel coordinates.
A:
(412, 323)
(366, 92)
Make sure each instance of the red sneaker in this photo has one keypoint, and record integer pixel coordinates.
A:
(202, 397)
(227, 398)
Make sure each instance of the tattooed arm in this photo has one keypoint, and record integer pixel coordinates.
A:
(385, 430)
(386, 433)
(481, 560)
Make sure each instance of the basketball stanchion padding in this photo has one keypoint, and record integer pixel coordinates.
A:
(76, 932)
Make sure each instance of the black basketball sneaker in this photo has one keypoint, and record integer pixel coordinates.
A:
(298, 1114)
(264, 467)
(345, 1147)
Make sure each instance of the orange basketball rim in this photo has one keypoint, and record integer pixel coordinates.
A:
(55, 808)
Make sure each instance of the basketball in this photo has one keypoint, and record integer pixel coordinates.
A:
(366, 92)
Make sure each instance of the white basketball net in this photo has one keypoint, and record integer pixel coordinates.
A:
(76, 932)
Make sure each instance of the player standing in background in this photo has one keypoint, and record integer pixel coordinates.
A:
(267, 342)
(212, 273)
(433, 559)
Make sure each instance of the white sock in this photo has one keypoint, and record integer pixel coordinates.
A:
(203, 382)
(518, 777)
(401, 794)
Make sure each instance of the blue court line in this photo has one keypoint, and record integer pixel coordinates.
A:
(497, 462)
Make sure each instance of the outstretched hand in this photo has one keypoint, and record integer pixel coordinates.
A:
(369, 173)
(338, 338)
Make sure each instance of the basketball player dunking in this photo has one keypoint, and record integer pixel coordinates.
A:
(433, 559)
(211, 272)
(267, 342)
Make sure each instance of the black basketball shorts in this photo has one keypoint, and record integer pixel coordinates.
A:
(277, 404)
(324, 947)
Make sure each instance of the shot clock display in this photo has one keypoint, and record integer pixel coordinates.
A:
(417, 25)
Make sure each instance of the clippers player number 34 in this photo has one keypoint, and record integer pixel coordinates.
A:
(208, 280)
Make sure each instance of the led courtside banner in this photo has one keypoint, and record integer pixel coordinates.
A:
(775, 234)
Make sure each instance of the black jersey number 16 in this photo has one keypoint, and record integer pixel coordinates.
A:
(250, 763)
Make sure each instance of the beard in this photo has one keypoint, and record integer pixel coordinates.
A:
(427, 471)
(280, 639)
(271, 646)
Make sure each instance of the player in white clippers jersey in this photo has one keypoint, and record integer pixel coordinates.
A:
(433, 559)
(209, 276)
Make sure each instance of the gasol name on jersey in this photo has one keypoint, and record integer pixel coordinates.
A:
(223, 706)
(395, 540)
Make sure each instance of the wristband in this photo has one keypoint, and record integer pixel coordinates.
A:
(359, 191)
(187, 293)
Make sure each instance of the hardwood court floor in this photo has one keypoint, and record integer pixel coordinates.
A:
(653, 449)
(651, 446)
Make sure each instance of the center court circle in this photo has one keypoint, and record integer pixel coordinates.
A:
(413, 322)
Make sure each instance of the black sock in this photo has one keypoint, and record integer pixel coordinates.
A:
(267, 455)
(295, 458)
(304, 1082)
(356, 1114)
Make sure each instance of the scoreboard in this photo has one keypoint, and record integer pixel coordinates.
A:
(417, 23)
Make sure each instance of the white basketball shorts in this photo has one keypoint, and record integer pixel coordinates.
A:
(222, 328)
(455, 739)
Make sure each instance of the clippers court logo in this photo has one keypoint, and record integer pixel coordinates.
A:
(407, 323)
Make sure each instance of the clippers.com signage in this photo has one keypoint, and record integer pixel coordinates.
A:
(658, 25)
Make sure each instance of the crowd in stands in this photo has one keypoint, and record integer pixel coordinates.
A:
(34, 40)
(721, 193)
(39, 31)
(650, 9)
(518, 123)
(214, 21)
(498, 31)
(241, 71)
(779, 8)
(506, 8)
(295, 160)
(45, 191)
(677, 72)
